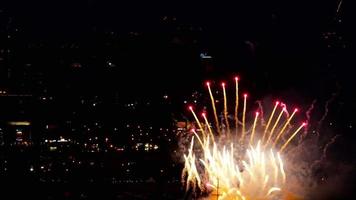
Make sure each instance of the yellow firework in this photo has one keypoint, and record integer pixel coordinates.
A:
(223, 168)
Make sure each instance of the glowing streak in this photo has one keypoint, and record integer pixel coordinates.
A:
(253, 128)
(281, 167)
(236, 104)
(275, 167)
(274, 189)
(275, 125)
(197, 120)
(292, 136)
(193, 178)
(197, 136)
(225, 179)
(216, 169)
(209, 128)
(339, 6)
(214, 108)
(243, 119)
(269, 120)
(225, 110)
(284, 127)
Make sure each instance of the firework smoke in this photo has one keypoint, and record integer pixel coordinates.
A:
(244, 163)
(257, 158)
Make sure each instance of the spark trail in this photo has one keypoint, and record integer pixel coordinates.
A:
(250, 169)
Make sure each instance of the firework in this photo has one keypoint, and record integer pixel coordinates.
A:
(247, 165)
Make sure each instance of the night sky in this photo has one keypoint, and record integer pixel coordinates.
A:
(300, 51)
(262, 40)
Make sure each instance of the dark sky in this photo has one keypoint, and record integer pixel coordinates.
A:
(272, 42)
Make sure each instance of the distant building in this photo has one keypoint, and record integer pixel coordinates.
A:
(19, 133)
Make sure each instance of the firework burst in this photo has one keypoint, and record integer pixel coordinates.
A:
(234, 163)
